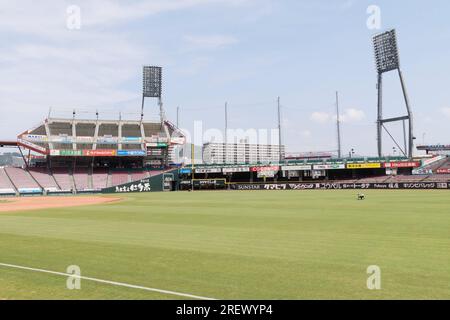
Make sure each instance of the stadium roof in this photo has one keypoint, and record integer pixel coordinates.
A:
(8, 143)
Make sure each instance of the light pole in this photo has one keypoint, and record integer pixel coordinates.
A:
(351, 153)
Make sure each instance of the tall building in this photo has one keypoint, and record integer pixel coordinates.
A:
(239, 153)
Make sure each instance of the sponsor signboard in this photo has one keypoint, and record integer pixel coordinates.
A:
(139, 186)
(154, 152)
(156, 144)
(266, 174)
(404, 164)
(35, 137)
(296, 168)
(32, 146)
(84, 139)
(270, 168)
(131, 153)
(70, 153)
(325, 186)
(185, 171)
(374, 165)
(421, 171)
(29, 190)
(100, 153)
(208, 170)
(131, 139)
(107, 140)
(328, 166)
(177, 140)
(236, 169)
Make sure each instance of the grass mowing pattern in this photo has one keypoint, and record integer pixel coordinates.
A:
(235, 245)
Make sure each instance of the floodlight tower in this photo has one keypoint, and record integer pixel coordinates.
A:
(152, 88)
(387, 59)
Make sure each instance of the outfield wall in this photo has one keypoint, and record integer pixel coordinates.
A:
(335, 186)
(167, 181)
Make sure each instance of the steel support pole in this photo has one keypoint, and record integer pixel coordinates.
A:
(380, 114)
(410, 115)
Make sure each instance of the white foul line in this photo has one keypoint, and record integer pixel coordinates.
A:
(121, 284)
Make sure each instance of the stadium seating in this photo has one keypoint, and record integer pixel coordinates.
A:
(22, 180)
(138, 175)
(119, 177)
(438, 178)
(99, 178)
(63, 178)
(6, 186)
(81, 178)
(45, 179)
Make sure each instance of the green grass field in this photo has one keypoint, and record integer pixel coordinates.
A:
(235, 245)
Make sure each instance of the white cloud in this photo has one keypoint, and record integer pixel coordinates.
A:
(45, 64)
(350, 115)
(446, 111)
(48, 18)
(306, 133)
(320, 117)
(209, 41)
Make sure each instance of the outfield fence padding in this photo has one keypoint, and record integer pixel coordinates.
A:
(342, 186)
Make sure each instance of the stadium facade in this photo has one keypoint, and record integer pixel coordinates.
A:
(233, 153)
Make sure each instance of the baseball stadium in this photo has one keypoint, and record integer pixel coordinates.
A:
(109, 205)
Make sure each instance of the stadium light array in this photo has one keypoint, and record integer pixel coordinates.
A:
(152, 82)
(386, 51)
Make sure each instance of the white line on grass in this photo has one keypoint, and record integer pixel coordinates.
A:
(120, 284)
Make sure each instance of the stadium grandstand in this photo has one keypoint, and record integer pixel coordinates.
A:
(78, 155)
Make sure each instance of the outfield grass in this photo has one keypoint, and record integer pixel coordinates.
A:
(235, 245)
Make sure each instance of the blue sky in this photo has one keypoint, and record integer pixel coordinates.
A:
(246, 52)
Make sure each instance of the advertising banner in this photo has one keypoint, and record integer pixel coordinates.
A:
(328, 166)
(236, 169)
(131, 153)
(208, 170)
(327, 186)
(70, 153)
(154, 152)
(143, 185)
(266, 174)
(178, 140)
(107, 140)
(100, 153)
(32, 146)
(406, 164)
(185, 171)
(271, 168)
(296, 168)
(81, 139)
(443, 171)
(35, 137)
(421, 171)
(364, 165)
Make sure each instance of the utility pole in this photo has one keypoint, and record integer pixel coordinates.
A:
(279, 129)
(338, 123)
(226, 122)
(225, 144)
